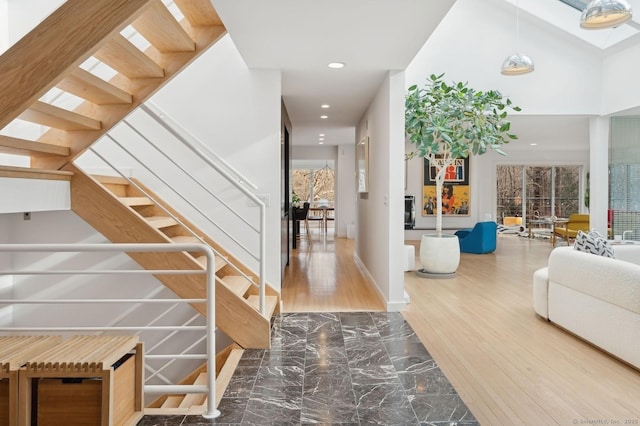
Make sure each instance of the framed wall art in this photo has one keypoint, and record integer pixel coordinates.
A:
(455, 191)
(362, 164)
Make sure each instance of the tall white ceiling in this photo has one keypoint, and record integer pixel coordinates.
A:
(467, 39)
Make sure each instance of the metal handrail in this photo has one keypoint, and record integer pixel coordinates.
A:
(190, 140)
(209, 389)
(186, 138)
(182, 169)
(226, 171)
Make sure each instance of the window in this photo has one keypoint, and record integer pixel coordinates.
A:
(314, 184)
(537, 191)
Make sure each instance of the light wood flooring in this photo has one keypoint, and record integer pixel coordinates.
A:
(322, 277)
(509, 366)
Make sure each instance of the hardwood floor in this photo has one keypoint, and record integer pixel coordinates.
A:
(508, 365)
(322, 277)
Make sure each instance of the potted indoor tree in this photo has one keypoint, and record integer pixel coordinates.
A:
(447, 122)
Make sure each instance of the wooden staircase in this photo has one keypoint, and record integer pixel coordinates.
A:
(53, 57)
(54, 54)
(123, 214)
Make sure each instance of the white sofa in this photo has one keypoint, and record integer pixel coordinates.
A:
(594, 297)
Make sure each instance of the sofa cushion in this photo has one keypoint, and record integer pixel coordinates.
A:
(593, 243)
(612, 280)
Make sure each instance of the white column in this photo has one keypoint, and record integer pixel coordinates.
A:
(599, 173)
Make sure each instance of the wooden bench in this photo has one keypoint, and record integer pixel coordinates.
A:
(85, 380)
(14, 352)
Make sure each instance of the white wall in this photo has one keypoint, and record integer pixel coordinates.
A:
(33, 195)
(6, 281)
(380, 221)
(620, 83)
(26, 14)
(4, 25)
(346, 189)
(566, 78)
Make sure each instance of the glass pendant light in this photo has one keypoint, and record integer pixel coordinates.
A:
(518, 63)
(605, 14)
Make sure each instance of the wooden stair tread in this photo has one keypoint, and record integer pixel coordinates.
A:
(30, 173)
(93, 89)
(185, 239)
(236, 283)
(161, 29)
(220, 262)
(199, 12)
(136, 201)
(172, 401)
(192, 399)
(269, 301)
(159, 222)
(17, 146)
(58, 118)
(121, 55)
(113, 180)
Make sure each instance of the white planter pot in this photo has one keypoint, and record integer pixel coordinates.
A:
(440, 256)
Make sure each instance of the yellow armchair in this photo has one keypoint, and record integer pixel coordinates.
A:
(567, 231)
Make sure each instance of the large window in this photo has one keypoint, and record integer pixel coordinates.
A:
(537, 191)
(314, 184)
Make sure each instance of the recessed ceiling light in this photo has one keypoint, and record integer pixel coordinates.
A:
(321, 143)
(324, 116)
(321, 135)
(533, 144)
(320, 139)
(336, 65)
(325, 106)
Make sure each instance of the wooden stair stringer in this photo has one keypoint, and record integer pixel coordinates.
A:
(269, 290)
(119, 223)
(141, 88)
(227, 361)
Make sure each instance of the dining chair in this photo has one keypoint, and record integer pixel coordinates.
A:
(312, 216)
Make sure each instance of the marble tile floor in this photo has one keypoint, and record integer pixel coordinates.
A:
(336, 369)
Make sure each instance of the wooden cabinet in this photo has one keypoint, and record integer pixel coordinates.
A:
(14, 352)
(85, 380)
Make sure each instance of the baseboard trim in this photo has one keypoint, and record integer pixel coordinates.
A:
(391, 305)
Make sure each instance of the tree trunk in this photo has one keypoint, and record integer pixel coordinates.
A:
(440, 174)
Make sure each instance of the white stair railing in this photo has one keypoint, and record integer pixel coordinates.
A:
(209, 328)
(216, 163)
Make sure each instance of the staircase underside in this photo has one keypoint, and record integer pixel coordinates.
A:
(56, 53)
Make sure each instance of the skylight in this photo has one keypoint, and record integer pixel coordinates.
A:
(577, 4)
(565, 14)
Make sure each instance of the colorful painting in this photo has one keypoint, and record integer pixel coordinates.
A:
(455, 191)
